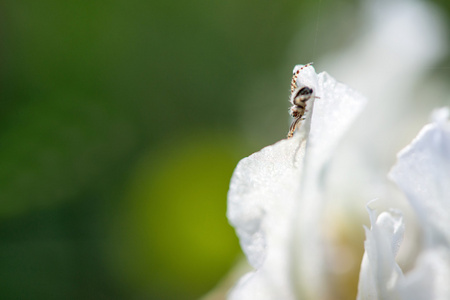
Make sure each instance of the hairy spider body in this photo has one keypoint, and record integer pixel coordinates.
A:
(298, 109)
(299, 98)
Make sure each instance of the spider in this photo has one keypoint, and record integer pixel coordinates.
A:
(298, 99)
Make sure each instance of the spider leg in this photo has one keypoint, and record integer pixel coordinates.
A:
(293, 127)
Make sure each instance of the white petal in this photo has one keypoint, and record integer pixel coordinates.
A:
(392, 69)
(260, 202)
(423, 173)
(430, 278)
(379, 271)
(266, 188)
(333, 113)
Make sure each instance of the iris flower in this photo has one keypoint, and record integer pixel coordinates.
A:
(277, 203)
(285, 200)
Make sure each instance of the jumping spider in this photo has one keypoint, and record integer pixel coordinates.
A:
(298, 99)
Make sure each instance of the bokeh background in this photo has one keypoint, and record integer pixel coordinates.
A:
(120, 125)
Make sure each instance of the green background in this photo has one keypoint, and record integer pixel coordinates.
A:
(120, 125)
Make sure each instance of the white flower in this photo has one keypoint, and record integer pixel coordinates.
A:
(276, 203)
(280, 198)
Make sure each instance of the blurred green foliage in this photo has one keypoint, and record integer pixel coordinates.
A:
(120, 125)
(103, 196)
(185, 238)
(88, 86)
